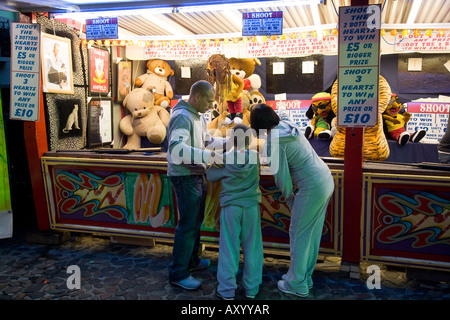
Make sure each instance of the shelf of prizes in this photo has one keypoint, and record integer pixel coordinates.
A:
(405, 214)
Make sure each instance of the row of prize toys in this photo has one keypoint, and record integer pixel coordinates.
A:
(147, 107)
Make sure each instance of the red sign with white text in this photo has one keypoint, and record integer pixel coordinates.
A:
(98, 71)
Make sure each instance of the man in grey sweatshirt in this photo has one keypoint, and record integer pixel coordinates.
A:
(187, 159)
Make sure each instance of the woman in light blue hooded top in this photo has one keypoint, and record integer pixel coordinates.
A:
(305, 182)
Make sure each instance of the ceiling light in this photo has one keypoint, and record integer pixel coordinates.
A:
(246, 5)
(110, 13)
(414, 11)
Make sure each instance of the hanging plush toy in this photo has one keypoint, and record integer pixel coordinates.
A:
(323, 119)
(228, 87)
(395, 123)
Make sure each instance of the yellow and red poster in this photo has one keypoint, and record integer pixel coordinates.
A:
(98, 71)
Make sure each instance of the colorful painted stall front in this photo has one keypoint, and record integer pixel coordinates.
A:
(132, 196)
(406, 217)
(405, 208)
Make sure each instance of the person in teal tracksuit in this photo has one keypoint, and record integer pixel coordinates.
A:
(305, 182)
(240, 221)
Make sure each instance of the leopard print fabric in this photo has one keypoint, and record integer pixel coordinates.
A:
(375, 145)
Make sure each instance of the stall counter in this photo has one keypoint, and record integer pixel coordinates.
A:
(131, 195)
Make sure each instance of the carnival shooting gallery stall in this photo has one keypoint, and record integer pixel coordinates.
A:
(391, 202)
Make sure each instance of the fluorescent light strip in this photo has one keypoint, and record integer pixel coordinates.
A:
(111, 13)
(167, 24)
(246, 5)
(315, 15)
(234, 17)
(414, 11)
(200, 8)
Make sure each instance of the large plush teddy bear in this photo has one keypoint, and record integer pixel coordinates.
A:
(228, 86)
(395, 123)
(375, 145)
(323, 119)
(145, 119)
(244, 68)
(157, 74)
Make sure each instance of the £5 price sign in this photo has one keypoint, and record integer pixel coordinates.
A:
(358, 70)
(25, 71)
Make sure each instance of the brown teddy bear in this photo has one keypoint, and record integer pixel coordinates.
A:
(244, 68)
(145, 119)
(157, 74)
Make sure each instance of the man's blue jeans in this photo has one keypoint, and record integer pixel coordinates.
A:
(444, 157)
(190, 192)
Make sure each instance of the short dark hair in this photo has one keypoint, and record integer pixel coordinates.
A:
(241, 136)
(263, 116)
(202, 87)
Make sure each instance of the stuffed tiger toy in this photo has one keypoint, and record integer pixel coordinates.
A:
(375, 145)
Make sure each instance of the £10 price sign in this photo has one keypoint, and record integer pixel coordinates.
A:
(25, 71)
(358, 70)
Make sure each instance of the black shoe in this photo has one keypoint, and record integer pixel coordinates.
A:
(309, 132)
(403, 139)
(324, 135)
(418, 135)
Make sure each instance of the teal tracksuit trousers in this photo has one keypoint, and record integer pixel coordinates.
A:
(240, 226)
